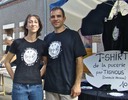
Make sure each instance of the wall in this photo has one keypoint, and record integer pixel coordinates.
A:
(16, 12)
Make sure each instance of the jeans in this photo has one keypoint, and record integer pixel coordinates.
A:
(27, 92)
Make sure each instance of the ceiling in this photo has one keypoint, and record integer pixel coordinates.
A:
(78, 9)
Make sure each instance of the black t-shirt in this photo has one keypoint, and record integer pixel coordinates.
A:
(115, 33)
(28, 60)
(62, 51)
(7, 49)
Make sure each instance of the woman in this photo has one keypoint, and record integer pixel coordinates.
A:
(27, 84)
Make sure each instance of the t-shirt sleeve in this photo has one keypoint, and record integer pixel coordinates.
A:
(7, 49)
(45, 47)
(13, 47)
(78, 46)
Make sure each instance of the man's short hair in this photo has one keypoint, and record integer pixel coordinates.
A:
(58, 8)
(9, 38)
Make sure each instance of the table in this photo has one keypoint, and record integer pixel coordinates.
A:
(101, 94)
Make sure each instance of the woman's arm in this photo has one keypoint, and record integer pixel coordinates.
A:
(43, 69)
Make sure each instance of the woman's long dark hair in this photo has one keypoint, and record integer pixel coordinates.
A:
(25, 24)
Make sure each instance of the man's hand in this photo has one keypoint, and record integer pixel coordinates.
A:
(75, 91)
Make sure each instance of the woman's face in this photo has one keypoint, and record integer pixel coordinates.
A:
(32, 25)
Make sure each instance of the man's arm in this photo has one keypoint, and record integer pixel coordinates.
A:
(43, 69)
(76, 89)
(3, 58)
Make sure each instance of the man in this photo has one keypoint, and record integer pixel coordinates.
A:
(64, 59)
(8, 41)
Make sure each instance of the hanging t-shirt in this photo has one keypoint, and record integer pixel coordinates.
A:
(115, 33)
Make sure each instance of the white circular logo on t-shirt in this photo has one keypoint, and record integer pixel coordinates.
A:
(54, 49)
(115, 33)
(30, 56)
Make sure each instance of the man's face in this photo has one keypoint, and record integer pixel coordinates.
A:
(57, 19)
(8, 42)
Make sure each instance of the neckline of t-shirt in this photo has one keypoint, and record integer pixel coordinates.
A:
(60, 32)
(29, 41)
